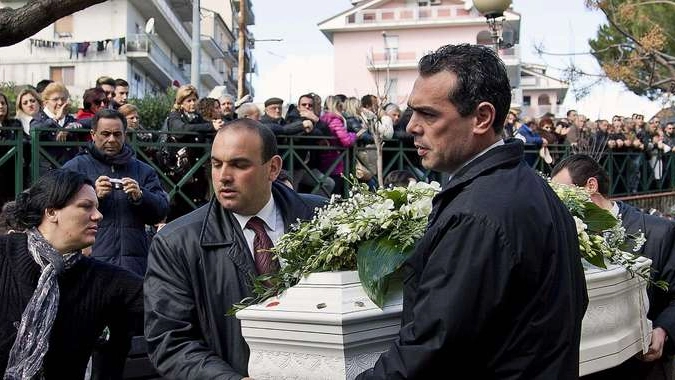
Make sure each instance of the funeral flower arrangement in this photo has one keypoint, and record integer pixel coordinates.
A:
(602, 238)
(374, 232)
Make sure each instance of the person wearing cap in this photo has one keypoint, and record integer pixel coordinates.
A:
(273, 108)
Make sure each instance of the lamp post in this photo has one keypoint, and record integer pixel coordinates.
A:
(493, 10)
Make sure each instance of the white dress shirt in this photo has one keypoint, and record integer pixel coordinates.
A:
(274, 224)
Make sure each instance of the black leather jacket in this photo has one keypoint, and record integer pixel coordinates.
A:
(199, 266)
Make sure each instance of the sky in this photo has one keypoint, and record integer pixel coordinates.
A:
(557, 26)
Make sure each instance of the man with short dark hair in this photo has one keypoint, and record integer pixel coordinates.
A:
(120, 94)
(129, 192)
(582, 170)
(495, 288)
(203, 262)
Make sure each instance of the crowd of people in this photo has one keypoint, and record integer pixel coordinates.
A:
(638, 147)
(80, 247)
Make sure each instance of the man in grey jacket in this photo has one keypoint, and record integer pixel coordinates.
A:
(202, 263)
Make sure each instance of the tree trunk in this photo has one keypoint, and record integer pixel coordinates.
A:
(18, 24)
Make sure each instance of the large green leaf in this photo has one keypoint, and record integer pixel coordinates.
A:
(597, 260)
(376, 261)
(598, 219)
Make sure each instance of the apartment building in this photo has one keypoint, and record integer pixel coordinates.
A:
(147, 42)
(377, 44)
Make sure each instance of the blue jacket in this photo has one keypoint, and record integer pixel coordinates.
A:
(121, 237)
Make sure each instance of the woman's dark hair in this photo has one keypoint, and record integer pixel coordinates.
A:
(207, 108)
(53, 190)
(93, 96)
(399, 178)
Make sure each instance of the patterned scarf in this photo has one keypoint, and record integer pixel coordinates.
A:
(32, 340)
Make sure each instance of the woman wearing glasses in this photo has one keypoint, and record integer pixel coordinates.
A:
(54, 120)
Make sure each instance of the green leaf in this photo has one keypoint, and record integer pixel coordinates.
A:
(376, 261)
(598, 219)
(399, 197)
(597, 260)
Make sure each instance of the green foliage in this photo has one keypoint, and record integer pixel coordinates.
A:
(636, 45)
(153, 109)
(598, 219)
(372, 232)
(377, 260)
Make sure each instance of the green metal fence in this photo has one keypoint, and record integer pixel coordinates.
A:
(629, 172)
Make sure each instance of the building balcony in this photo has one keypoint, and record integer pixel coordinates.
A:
(211, 47)
(406, 15)
(394, 60)
(168, 24)
(144, 51)
(209, 74)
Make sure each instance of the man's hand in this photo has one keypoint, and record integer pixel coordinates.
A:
(131, 187)
(308, 125)
(60, 111)
(103, 186)
(655, 351)
(310, 115)
(217, 123)
(61, 136)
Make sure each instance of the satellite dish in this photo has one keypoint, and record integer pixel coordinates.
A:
(150, 26)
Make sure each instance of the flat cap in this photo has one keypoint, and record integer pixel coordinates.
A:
(271, 101)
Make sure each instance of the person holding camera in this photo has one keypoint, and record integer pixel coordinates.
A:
(128, 190)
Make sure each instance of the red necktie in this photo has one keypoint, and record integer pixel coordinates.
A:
(265, 262)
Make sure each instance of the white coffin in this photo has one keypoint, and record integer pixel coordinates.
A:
(326, 327)
(615, 326)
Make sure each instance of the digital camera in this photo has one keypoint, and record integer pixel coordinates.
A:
(116, 183)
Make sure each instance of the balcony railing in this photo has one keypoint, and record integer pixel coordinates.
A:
(144, 47)
(406, 14)
(394, 60)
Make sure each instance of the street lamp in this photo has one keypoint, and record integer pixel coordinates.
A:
(493, 10)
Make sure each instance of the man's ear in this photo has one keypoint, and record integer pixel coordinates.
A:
(485, 115)
(275, 167)
(592, 185)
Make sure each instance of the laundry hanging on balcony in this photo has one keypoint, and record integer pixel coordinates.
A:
(76, 48)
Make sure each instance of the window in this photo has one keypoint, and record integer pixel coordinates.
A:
(544, 100)
(527, 100)
(392, 91)
(63, 74)
(63, 27)
(391, 48)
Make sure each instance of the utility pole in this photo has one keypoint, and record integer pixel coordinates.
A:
(196, 47)
(241, 72)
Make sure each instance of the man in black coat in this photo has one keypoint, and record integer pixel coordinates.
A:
(202, 263)
(495, 288)
(657, 363)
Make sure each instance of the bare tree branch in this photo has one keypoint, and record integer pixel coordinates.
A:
(18, 24)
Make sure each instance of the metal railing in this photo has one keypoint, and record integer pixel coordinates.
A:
(630, 173)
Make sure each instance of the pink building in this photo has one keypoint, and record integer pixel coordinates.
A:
(377, 44)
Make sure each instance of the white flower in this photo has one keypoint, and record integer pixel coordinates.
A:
(581, 226)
